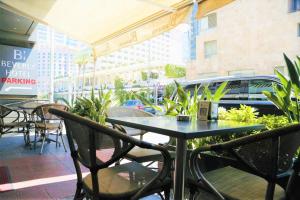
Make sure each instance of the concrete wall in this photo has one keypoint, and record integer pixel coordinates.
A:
(251, 35)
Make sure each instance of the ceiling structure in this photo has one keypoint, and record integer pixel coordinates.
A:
(15, 30)
(106, 25)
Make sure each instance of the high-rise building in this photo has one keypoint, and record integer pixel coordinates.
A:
(149, 56)
(54, 51)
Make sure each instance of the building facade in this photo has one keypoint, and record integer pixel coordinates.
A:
(54, 51)
(246, 38)
(128, 64)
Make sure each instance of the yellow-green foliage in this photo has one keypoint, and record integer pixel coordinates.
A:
(243, 114)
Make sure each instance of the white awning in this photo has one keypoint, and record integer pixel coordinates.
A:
(106, 25)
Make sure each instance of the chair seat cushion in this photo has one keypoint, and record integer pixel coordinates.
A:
(122, 180)
(143, 155)
(48, 126)
(236, 184)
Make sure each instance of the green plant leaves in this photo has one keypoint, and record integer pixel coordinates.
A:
(95, 107)
(187, 104)
(220, 92)
(293, 74)
(282, 78)
(282, 97)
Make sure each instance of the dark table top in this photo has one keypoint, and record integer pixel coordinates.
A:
(166, 125)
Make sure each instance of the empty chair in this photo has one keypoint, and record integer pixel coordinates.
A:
(137, 154)
(47, 124)
(89, 141)
(129, 112)
(11, 119)
(254, 168)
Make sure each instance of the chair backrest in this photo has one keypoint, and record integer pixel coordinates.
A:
(127, 112)
(272, 155)
(4, 111)
(89, 140)
(42, 111)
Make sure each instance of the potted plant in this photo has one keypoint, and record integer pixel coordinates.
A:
(95, 107)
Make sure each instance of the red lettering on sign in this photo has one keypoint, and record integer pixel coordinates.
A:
(21, 81)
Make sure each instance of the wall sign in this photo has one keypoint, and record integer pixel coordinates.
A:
(18, 71)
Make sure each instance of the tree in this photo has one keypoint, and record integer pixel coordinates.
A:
(169, 90)
(174, 71)
(154, 75)
(81, 60)
(144, 76)
(120, 93)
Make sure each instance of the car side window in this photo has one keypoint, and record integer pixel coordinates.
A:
(256, 87)
(234, 90)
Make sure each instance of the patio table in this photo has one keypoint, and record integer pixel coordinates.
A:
(182, 131)
(27, 108)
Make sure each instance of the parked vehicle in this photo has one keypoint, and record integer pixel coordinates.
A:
(245, 90)
(137, 104)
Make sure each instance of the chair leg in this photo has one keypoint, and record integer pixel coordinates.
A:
(167, 193)
(62, 140)
(192, 193)
(27, 137)
(270, 191)
(44, 138)
(78, 194)
(56, 140)
(35, 136)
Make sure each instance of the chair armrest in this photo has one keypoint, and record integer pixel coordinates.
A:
(165, 171)
(167, 161)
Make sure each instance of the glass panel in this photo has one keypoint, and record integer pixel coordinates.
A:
(257, 86)
(234, 87)
(210, 49)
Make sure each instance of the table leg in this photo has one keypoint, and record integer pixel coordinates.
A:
(179, 174)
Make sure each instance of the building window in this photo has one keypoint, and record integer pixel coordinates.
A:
(210, 48)
(294, 5)
(208, 22)
(299, 30)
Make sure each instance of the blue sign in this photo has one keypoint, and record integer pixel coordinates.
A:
(18, 72)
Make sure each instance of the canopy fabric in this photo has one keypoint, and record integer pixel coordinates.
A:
(98, 21)
(206, 6)
(110, 25)
(144, 32)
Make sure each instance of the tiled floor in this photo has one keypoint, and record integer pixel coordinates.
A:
(34, 176)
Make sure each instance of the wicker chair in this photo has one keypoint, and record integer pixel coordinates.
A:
(129, 112)
(137, 154)
(292, 190)
(11, 119)
(258, 162)
(89, 141)
(47, 124)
